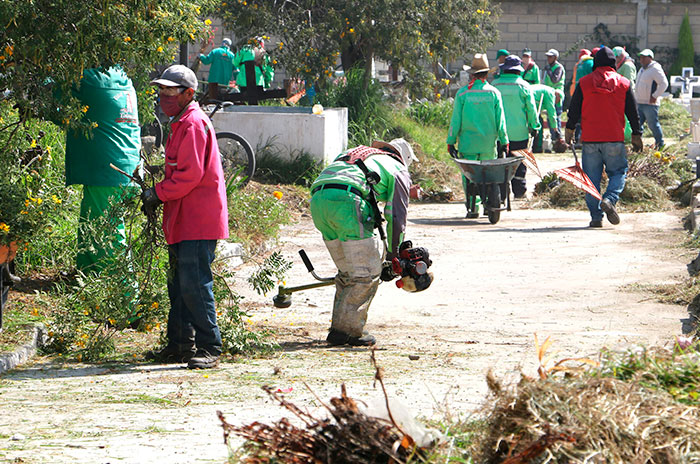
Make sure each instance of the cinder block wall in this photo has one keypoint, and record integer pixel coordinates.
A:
(541, 25)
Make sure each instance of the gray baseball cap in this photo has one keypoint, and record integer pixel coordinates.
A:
(177, 75)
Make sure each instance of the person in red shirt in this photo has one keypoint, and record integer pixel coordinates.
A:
(600, 102)
(195, 216)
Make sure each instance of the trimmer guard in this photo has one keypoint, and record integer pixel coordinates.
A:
(493, 171)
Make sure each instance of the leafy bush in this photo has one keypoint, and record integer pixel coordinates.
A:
(276, 167)
(433, 113)
(368, 115)
(254, 216)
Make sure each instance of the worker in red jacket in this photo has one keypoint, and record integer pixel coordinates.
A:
(600, 102)
(195, 216)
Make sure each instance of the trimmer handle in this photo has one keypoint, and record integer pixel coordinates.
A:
(307, 261)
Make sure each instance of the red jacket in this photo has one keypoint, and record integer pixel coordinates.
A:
(603, 110)
(194, 191)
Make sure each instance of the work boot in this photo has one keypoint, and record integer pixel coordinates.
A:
(171, 354)
(365, 340)
(609, 210)
(337, 338)
(472, 215)
(596, 224)
(203, 360)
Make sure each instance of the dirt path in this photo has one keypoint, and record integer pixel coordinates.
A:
(536, 271)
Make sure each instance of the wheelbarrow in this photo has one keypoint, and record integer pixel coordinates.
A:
(491, 179)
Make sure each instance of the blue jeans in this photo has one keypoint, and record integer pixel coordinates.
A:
(612, 156)
(192, 318)
(650, 114)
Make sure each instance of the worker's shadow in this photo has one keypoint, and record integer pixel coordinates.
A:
(461, 222)
(317, 344)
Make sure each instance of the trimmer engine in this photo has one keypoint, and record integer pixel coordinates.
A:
(412, 266)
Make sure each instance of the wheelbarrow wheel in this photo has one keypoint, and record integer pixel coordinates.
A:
(494, 201)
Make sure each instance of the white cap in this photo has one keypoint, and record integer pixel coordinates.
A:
(399, 145)
(226, 42)
(647, 52)
(552, 52)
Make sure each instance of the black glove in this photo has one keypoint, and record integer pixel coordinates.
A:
(158, 170)
(452, 151)
(150, 201)
(387, 274)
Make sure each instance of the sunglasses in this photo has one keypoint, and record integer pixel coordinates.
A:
(170, 91)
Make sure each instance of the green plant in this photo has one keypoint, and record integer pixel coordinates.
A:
(270, 273)
(255, 216)
(686, 50)
(277, 167)
(31, 190)
(433, 113)
(368, 115)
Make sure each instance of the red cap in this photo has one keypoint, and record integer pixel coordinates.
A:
(583, 52)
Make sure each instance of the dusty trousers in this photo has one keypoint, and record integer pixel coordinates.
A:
(359, 264)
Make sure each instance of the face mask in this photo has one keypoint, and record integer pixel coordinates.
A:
(170, 105)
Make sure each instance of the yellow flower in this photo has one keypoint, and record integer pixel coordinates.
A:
(111, 321)
(48, 149)
(84, 108)
(4, 227)
(94, 125)
(127, 39)
(9, 49)
(352, 31)
(277, 194)
(56, 199)
(159, 49)
(33, 144)
(657, 154)
(438, 96)
(207, 22)
(170, 39)
(39, 201)
(154, 305)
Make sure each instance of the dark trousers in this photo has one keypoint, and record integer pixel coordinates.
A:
(192, 318)
(518, 182)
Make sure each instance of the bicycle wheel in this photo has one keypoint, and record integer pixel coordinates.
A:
(494, 201)
(237, 159)
(152, 136)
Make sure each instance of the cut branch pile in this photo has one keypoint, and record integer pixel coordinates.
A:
(347, 437)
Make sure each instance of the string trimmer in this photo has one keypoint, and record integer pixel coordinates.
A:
(283, 299)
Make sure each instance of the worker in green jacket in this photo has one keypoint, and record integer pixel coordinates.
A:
(478, 122)
(521, 114)
(532, 71)
(546, 99)
(221, 70)
(254, 51)
(342, 210)
(625, 66)
(555, 76)
(109, 101)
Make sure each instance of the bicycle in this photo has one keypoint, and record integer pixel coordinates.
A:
(237, 155)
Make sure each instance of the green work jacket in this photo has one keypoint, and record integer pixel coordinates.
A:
(478, 120)
(555, 75)
(532, 75)
(110, 99)
(628, 70)
(221, 61)
(392, 189)
(584, 67)
(519, 106)
(263, 73)
(545, 99)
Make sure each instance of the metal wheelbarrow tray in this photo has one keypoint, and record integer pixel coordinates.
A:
(491, 177)
(493, 171)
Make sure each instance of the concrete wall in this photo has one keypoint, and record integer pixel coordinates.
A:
(291, 130)
(541, 25)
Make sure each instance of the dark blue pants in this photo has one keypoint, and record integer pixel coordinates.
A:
(518, 183)
(192, 318)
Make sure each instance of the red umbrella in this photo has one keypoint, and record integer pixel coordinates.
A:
(578, 178)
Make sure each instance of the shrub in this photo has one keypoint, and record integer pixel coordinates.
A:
(686, 50)
(436, 114)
